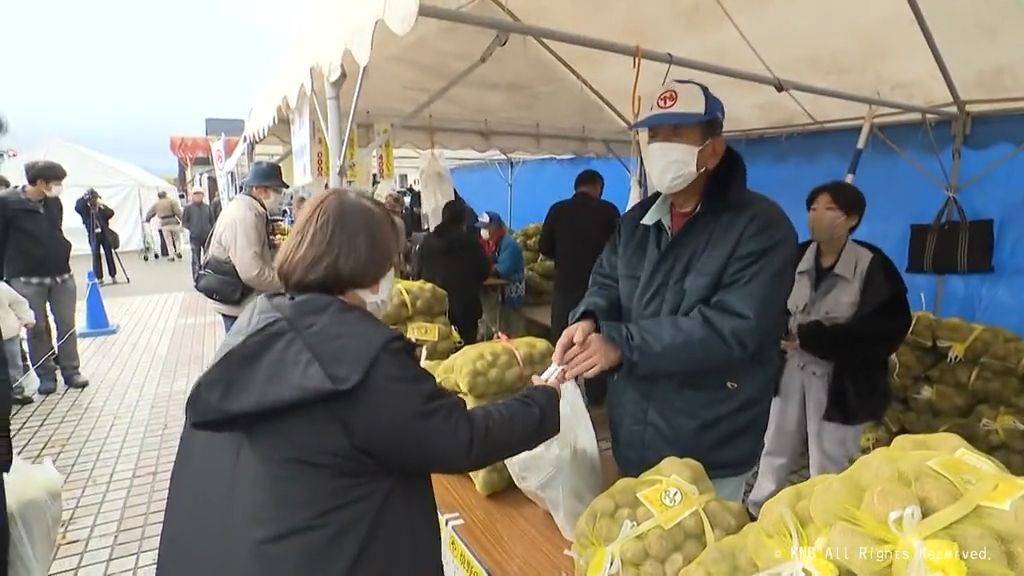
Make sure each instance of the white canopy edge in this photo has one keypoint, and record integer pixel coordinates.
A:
(552, 97)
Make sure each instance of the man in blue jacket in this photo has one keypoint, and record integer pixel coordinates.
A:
(687, 304)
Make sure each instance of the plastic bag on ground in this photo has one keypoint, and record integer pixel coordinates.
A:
(563, 475)
(33, 515)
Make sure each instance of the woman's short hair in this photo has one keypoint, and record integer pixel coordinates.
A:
(344, 241)
(847, 197)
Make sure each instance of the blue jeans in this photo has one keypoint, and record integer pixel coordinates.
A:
(229, 321)
(12, 350)
(731, 488)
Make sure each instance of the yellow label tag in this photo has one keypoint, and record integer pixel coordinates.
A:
(670, 500)
(464, 559)
(965, 469)
(423, 332)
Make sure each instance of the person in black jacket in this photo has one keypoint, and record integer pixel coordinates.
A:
(96, 218)
(848, 314)
(309, 442)
(574, 234)
(453, 259)
(36, 261)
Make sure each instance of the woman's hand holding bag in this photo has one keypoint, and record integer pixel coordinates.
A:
(562, 475)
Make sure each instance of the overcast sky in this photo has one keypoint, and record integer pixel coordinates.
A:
(122, 76)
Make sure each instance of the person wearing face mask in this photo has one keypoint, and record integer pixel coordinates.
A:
(686, 305)
(507, 264)
(35, 259)
(310, 441)
(241, 236)
(848, 313)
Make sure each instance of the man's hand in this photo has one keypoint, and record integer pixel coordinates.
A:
(30, 325)
(596, 355)
(572, 336)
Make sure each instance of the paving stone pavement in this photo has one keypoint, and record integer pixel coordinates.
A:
(115, 441)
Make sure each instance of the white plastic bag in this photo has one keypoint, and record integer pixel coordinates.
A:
(563, 475)
(33, 514)
(436, 188)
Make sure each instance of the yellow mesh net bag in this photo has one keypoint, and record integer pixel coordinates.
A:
(494, 368)
(655, 524)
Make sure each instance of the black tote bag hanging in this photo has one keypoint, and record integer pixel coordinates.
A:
(951, 244)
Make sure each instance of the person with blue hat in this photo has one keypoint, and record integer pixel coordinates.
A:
(508, 264)
(241, 239)
(686, 306)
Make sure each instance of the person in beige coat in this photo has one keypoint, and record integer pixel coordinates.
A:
(168, 210)
(15, 314)
(242, 236)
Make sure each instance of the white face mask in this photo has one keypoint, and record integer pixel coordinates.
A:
(273, 203)
(485, 234)
(671, 166)
(826, 231)
(377, 302)
(54, 191)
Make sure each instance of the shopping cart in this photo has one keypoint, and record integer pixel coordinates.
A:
(148, 246)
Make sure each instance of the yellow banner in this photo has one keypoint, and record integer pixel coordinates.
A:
(350, 156)
(386, 154)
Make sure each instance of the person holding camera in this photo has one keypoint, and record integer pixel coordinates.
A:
(96, 218)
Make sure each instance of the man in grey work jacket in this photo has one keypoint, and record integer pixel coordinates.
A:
(687, 303)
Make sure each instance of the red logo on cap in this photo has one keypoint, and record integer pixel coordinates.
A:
(667, 99)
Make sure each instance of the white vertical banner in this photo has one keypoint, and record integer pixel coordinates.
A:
(302, 157)
(218, 156)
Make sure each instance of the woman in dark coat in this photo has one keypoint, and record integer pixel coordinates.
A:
(453, 259)
(309, 442)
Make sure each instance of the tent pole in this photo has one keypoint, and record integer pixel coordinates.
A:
(959, 129)
(565, 64)
(335, 138)
(617, 157)
(780, 84)
(498, 41)
(343, 166)
(933, 47)
(862, 140)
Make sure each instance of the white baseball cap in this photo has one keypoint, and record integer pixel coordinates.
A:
(680, 103)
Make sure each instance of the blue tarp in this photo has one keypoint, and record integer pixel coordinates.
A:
(786, 168)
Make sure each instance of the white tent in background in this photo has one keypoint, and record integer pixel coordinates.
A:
(126, 188)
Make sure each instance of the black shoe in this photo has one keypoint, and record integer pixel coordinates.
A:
(77, 381)
(22, 399)
(177, 255)
(47, 386)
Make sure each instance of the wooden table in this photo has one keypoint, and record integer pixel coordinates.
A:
(507, 532)
(541, 314)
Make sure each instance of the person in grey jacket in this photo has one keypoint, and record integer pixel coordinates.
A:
(242, 236)
(197, 218)
(687, 304)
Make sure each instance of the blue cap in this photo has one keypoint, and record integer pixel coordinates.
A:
(680, 103)
(488, 219)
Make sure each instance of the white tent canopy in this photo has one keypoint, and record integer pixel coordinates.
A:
(126, 188)
(533, 95)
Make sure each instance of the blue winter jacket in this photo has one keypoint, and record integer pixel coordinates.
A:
(510, 266)
(699, 317)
